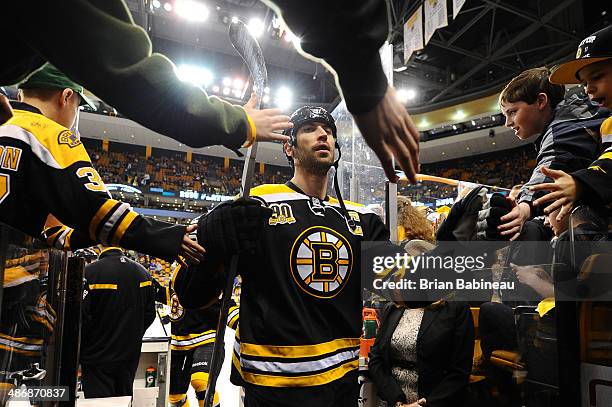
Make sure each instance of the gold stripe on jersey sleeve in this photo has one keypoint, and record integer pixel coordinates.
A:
(232, 323)
(20, 261)
(168, 297)
(606, 156)
(146, 284)
(16, 275)
(100, 214)
(67, 243)
(123, 226)
(297, 351)
(301, 381)
(102, 286)
(47, 133)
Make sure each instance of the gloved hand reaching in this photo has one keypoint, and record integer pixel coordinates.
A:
(233, 227)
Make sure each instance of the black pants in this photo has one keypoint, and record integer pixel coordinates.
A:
(109, 379)
(185, 363)
(341, 393)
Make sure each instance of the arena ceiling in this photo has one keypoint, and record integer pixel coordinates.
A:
(488, 43)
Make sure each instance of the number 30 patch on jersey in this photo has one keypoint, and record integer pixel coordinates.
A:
(321, 261)
(281, 214)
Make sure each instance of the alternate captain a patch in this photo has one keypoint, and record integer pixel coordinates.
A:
(69, 138)
(321, 261)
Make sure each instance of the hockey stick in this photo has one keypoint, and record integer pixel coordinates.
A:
(249, 50)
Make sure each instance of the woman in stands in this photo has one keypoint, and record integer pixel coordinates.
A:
(423, 356)
(413, 225)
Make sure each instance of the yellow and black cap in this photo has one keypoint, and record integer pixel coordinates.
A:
(594, 48)
(49, 77)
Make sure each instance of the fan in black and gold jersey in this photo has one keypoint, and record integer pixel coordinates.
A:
(44, 169)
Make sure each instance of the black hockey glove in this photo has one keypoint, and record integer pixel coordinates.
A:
(489, 218)
(233, 228)
(460, 224)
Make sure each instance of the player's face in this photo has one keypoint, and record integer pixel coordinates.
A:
(597, 81)
(525, 119)
(315, 146)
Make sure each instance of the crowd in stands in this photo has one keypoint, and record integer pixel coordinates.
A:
(174, 173)
(208, 175)
(502, 168)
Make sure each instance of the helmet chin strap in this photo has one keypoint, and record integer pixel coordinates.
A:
(349, 220)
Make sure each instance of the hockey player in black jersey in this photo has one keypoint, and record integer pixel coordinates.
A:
(192, 336)
(300, 322)
(44, 169)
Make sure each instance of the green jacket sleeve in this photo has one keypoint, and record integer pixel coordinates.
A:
(347, 35)
(96, 43)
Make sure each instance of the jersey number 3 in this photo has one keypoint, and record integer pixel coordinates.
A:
(95, 182)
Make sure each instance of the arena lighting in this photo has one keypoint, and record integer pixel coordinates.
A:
(156, 4)
(234, 19)
(194, 74)
(227, 81)
(215, 89)
(168, 7)
(284, 97)
(191, 10)
(266, 98)
(256, 27)
(226, 91)
(238, 83)
(459, 114)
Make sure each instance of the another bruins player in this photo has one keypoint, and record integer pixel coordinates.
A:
(27, 320)
(300, 305)
(44, 169)
(193, 333)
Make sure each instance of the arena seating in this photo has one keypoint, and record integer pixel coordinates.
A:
(206, 174)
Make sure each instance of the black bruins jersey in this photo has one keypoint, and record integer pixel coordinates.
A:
(44, 169)
(27, 319)
(597, 178)
(301, 302)
(191, 328)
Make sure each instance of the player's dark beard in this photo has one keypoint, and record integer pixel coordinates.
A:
(310, 164)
